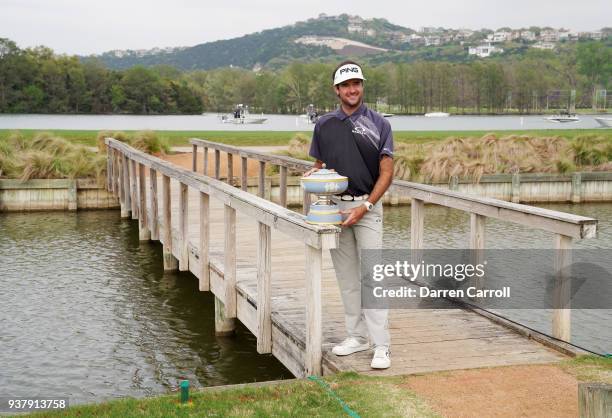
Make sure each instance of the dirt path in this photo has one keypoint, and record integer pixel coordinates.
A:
(515, 391)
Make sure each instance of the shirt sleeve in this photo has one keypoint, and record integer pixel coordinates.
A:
(386, 140)
(315, 151)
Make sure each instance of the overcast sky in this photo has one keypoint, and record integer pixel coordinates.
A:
(87, 27)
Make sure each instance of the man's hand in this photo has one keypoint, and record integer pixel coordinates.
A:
(354, 215)
(312, 170)
(317, 166)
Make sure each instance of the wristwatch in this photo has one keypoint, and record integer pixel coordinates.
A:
(368, 205)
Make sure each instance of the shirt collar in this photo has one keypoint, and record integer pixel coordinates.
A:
(360, 111)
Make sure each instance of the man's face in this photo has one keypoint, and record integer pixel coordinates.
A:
(350, 92)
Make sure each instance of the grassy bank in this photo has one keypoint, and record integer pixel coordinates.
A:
(334, 396)
(265, 138)
(367, 396)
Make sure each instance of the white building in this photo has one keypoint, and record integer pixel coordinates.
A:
(527, 35)
(543, 45)
(549, 35)
(484, 51)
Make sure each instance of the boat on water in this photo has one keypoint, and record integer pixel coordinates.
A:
(604, 122)
(387, 115)
(437, 115)
(241, 116)
(563, 117)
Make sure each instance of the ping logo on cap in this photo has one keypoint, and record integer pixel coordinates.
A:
(348, 72)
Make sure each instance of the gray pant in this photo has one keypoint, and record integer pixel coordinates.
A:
(365, 234)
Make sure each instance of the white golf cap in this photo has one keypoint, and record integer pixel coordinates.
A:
(348, 72)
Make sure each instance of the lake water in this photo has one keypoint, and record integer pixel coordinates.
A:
(447, 228)
(211, 122)
(87, 312)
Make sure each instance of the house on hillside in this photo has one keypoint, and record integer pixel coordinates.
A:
(485, 50)
(543, 45)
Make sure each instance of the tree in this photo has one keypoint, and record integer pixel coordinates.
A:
(595, 62)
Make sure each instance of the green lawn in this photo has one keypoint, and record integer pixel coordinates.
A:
(364, 396)
(247, 138)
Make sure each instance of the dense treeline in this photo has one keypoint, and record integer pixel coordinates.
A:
(37, 81)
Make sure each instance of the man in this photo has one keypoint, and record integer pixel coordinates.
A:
(357, 142)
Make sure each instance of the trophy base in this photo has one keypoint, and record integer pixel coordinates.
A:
(324, 215)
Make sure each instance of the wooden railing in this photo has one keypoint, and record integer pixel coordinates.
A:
(127, 178)
(564, 226)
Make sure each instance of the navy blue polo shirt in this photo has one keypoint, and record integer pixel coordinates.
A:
(353, 146)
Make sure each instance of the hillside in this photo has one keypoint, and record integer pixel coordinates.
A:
(271, 48)
(375, 41)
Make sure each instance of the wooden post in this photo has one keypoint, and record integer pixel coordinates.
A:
(244, 178)
(194, 158)
(262, 179)
(125, 167)
(204, 283)
(283, 186)
(454, 183)
(217, 163)
(133, 188)
(314, 326)
(516, 188)
(229, 264)
(477, 245)
(230, 168)
(143, 222)
(561, 320)
(170, 262)
(109, 170)
(153, 202)
(576, 187)
(306, 203)
(264, 289)
(72, 195)
(205, 158)
(594, 400)
(224, 325)
(417, 217)
(116, 173)
(183, 227)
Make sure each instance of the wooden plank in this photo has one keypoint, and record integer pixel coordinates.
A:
(594, 400)
(558, 222)
(262, 178)
(224, 325)
(204, 283)
(170, 262)
(264, 289)
(243, 175)
(205, 165)
(230, 169)
(217, 163)
(144, 234)
(314, 326)
(229, 263)
(133, 188)
(283, 186)
(183, 227)
(126, 187)
(417, 216)
(194, 158)
(561, 320)
(153, 203)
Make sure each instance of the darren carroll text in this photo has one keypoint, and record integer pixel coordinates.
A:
(426, 292)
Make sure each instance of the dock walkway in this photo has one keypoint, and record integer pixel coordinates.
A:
(423, 340)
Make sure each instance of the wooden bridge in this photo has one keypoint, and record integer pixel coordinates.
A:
(271, 270)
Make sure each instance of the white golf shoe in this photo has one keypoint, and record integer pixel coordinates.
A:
(349, 346)
(381, 359)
